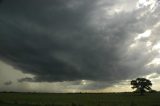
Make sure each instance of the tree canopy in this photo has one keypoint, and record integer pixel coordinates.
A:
(142, 85)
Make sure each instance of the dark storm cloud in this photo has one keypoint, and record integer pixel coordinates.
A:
(56, 40)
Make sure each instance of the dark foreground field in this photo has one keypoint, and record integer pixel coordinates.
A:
(79, 99)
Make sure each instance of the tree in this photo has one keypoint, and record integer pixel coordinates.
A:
(142, 85)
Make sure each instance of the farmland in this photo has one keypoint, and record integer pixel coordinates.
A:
(79, 99)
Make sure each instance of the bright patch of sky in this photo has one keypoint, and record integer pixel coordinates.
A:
(147, 3)
(146, 34)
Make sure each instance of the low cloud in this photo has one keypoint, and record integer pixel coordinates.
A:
(8, 83)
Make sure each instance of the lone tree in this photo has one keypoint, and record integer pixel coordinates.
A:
(142, 85)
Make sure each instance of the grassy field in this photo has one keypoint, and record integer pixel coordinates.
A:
(79, 99)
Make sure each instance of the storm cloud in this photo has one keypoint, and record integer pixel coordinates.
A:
(70, 40)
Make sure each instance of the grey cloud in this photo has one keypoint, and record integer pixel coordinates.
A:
(67, 40)
(26, 79)
(97, 85)
(8, 83)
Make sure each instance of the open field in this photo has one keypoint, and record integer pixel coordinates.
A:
(79, 99)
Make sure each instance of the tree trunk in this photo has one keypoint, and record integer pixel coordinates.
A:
(142, 92)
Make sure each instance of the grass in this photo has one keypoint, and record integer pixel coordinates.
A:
(79, 99)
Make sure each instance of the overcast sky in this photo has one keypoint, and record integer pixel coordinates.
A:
(78, 45)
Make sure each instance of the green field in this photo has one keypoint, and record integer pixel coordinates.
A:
(79, 99)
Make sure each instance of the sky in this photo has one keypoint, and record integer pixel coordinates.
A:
(78, 45)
